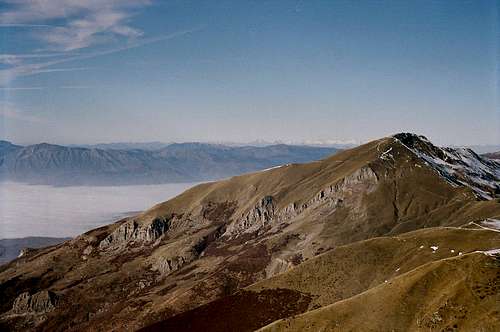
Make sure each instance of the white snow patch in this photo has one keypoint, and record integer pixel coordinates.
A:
(460, 253)
(488, 226)
(492, 252)
(421, 247)
(270, 168)
(452, 251)
(460, 167)
(434, 248)
(491, 223)
(385, 154)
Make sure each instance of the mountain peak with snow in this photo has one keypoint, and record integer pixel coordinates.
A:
(458, 166)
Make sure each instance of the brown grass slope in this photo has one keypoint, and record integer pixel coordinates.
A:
(222, 236)
(455, 294)
(336, 275)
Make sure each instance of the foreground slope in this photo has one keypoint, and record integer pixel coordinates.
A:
(344, 272)
(455, 294)
(219, 237)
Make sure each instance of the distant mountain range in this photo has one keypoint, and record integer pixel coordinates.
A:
(338, 144)
(179, 162)
(150, 146)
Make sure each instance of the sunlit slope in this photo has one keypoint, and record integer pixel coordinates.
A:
(455, 294)
(335, 277)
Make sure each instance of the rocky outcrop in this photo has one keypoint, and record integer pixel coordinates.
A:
(363, 179)
(167, 265)
(257, 217)
(265, 212)
(25, 251)
(175, 258)
(137, 232)
(38, 303)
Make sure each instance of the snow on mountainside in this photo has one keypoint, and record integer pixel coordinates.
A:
(459, 166)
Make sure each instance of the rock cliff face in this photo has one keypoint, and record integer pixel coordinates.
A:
(259, 216)
(38, 303)
(266, 211)
(172, 260)
(132, 231)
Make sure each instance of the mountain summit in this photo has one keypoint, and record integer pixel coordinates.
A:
(367, 223)
(459, 166)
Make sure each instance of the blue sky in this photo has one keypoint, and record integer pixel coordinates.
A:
(86, 71)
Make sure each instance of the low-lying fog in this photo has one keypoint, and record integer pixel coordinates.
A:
(35, 210)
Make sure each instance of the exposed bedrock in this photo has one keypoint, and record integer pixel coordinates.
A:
(132, 230)
(172, 258)
(266, 212)
(41, 302)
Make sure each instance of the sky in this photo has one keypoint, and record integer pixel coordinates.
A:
(89, 71)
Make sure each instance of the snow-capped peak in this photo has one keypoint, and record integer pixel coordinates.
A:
(459, 166)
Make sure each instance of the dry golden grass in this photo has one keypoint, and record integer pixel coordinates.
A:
(454, 294)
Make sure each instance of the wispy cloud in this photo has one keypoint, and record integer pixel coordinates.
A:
(37, 88)
(25, 88)
(77, 87)
(14, 59)
(9, 111)
(57, 70)
(67, 26)
(9, 74)
(19, 25)
(92, 30)
(84, 22)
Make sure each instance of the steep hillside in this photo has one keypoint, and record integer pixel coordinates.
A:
(189, 162)
(336, 275)
(455, 294)
(220, 237)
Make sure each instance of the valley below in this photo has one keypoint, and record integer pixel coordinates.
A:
(42, 215)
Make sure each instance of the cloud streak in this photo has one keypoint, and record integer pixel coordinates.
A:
(26, 88)
(18, 25)
(10, 74)
(84, 22)
(67, 26)
(15, 59)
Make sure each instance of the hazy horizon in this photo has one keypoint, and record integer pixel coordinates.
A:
(95, 72)
(318, 142)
